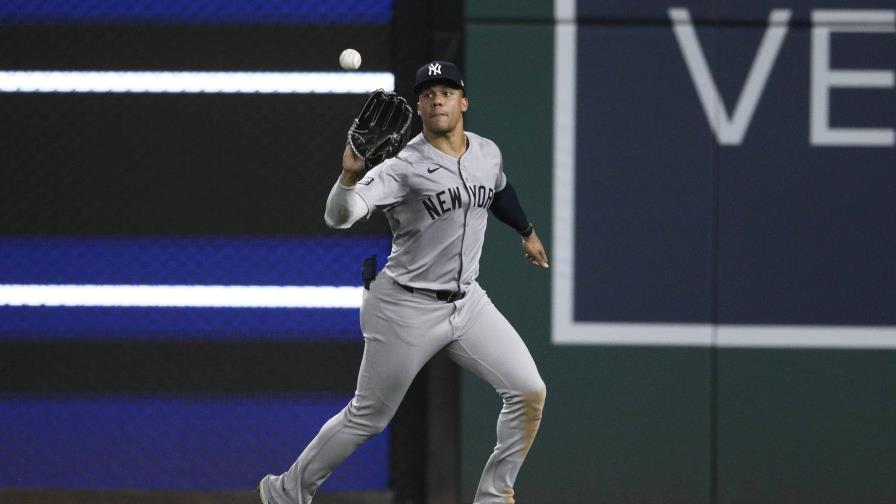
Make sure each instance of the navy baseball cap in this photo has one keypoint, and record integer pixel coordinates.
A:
(443, 71)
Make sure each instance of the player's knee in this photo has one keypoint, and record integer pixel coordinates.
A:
(532, 396)
(529, 403)
(535, 401)
(533, 406)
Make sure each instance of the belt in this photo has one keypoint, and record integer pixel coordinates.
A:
(441, 295)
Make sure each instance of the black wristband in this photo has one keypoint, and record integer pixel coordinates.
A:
(528, 231)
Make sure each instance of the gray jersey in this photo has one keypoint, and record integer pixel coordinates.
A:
(437, 207)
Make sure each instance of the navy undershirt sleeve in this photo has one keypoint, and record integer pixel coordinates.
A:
(506, 207)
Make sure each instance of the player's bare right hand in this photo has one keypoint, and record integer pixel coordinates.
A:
(352, 167)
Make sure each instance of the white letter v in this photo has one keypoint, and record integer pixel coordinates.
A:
(729, 130)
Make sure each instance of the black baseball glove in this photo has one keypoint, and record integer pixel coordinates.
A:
(381, 129)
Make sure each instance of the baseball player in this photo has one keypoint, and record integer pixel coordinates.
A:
(436, 194)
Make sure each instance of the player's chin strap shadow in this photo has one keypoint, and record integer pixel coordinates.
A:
(368, 271)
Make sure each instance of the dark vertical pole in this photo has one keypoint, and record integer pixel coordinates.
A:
(443, 432)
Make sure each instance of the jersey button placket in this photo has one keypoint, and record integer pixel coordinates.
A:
(460, 173)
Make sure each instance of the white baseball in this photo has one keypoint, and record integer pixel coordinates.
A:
(350, 59)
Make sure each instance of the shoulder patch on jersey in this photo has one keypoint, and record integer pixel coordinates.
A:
(365, 181)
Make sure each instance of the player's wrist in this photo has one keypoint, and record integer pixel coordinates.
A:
(528, 231)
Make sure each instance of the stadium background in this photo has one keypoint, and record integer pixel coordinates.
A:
(228, 189)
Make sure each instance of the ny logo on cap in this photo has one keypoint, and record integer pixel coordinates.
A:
(435, 69)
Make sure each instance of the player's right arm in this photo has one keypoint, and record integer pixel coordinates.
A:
(344, 206)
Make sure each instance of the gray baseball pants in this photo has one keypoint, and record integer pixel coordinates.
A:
(402, 331)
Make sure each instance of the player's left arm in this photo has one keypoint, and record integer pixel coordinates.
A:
(507, 208)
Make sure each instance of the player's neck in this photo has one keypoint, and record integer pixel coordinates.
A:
(452, 143)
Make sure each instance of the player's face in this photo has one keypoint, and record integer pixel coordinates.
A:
(441, 108)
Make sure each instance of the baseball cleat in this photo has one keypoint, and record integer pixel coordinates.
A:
(264, 494)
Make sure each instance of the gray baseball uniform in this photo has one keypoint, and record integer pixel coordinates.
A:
(437, 207)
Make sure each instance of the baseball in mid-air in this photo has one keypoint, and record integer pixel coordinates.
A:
(350, 59)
